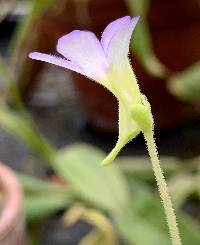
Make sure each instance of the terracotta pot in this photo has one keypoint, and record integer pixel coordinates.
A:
(12, 229)
(172, 39)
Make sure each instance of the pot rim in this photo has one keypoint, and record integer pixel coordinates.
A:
(12, 201)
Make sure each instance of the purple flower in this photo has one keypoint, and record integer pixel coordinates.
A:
(106, 62)
(82, 52)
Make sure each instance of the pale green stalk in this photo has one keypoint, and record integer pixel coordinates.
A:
(163, 190)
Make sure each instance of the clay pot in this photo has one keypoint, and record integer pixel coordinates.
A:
(176, 43)
(175, 30)
(12, 230)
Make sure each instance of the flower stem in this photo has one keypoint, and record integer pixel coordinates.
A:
(163, 190)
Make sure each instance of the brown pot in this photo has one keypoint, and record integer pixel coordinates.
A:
(175, 25)
(12, 229)
(172, 39)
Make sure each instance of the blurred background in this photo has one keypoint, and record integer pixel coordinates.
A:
(57, 126)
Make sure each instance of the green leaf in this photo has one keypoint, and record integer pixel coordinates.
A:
(80, 166)
(142, 42)
(147, 211)
(39, 6)
(141, 168)
(186, 85)
(183, 185)
(133, 225)
(43, 198)
(41, 205)
(135, 229)
(189, 230)
(33, 184)
(139, 7)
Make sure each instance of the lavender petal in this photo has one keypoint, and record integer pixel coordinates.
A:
(119, 45)
(55, 61)
(112, 29)
(84, 49)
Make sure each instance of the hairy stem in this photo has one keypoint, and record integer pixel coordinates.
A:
(163, 190)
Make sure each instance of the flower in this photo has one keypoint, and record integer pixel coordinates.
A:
(106, 62)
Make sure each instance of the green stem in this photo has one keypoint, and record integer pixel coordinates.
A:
(163, 190)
